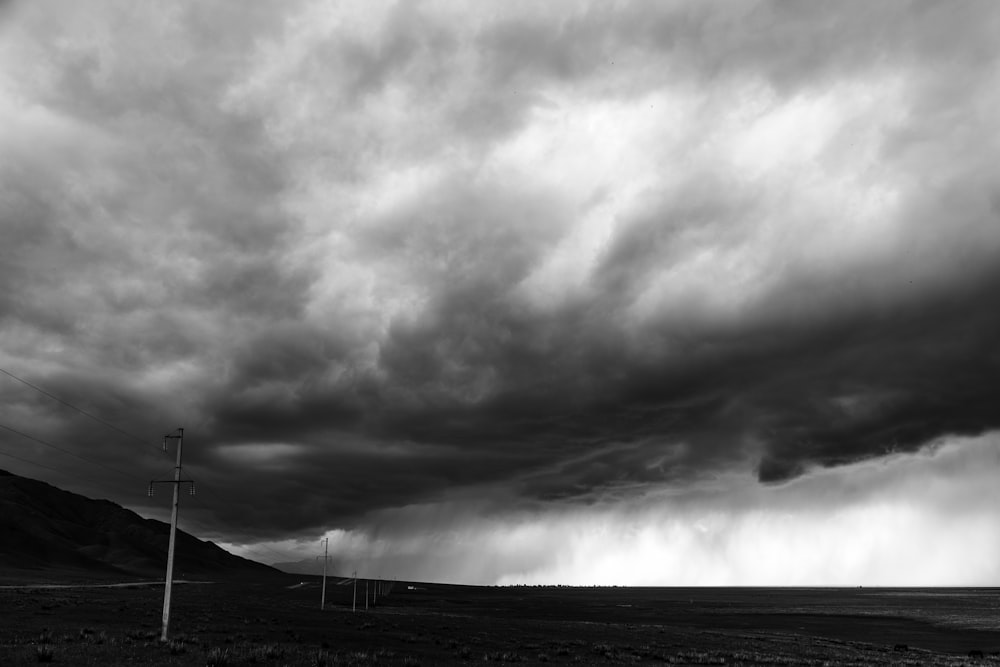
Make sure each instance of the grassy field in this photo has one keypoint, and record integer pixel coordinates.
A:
(279, 622)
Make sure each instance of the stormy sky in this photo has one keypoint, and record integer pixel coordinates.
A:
(548, 292)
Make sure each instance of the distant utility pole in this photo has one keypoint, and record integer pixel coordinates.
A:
(176, 481)
(366, 595)
(354, 603)
(326, 558)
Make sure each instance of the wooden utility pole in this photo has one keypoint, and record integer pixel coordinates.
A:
(326, 558)
(176, 481)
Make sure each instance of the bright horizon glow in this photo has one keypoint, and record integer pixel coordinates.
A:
(902, 521)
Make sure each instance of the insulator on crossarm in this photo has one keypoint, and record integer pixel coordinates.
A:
(150, 492)
(191, 490)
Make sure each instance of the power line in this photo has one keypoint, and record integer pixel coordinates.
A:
(65, 451)
(40, 465)
(283, 556)
(80, 410)
(288, 558)
(254, 550)
(188, 520)
(89, 415)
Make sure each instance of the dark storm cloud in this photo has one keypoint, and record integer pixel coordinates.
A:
(892, 383)
(376, 256)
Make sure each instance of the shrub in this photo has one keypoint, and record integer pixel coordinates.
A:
(44, 653)
(265, 653)
(506, 656)
(603, 649)
(217, 657)
(142, 635)
(273, 652)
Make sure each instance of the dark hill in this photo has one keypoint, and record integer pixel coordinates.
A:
(47, 532)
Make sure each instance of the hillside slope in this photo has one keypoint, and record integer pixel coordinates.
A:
(46, 530)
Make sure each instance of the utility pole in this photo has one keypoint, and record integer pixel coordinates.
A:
(354, 603)
(366, 595)
(326, 558)
(176, 481)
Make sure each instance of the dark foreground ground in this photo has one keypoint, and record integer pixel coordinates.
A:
(279, 622)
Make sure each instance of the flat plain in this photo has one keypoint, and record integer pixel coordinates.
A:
(278, 621)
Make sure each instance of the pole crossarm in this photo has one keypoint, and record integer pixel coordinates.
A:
(171, 481)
